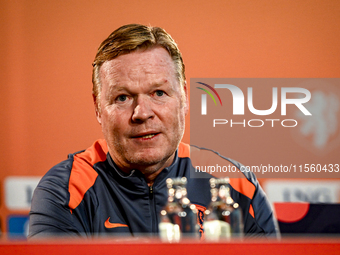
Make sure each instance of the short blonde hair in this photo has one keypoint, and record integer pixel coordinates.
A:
(129, 38)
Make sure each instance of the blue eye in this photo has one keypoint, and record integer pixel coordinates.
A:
(122, 98)
(159, 93)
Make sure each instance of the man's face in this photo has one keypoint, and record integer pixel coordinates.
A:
(142, 109)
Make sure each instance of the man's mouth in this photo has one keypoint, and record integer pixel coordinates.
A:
(148, 136)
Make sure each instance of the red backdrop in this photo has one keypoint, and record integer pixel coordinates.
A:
(47, 48)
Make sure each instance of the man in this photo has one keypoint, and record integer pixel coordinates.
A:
(118, 184)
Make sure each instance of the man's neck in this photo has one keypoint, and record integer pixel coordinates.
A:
(150, 172)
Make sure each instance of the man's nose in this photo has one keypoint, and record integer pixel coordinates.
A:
(142, 110)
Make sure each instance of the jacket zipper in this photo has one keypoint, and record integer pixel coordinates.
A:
(154, 222)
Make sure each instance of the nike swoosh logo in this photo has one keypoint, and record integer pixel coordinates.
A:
(108, 224)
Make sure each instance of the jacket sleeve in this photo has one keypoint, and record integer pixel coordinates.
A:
(263, 213)
(50, 214)
(259, 218)
(245, 190)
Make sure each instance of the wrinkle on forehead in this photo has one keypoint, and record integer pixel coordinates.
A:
(136, 66)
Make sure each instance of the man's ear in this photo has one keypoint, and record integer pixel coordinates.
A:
(186, 99)
(96, 107)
